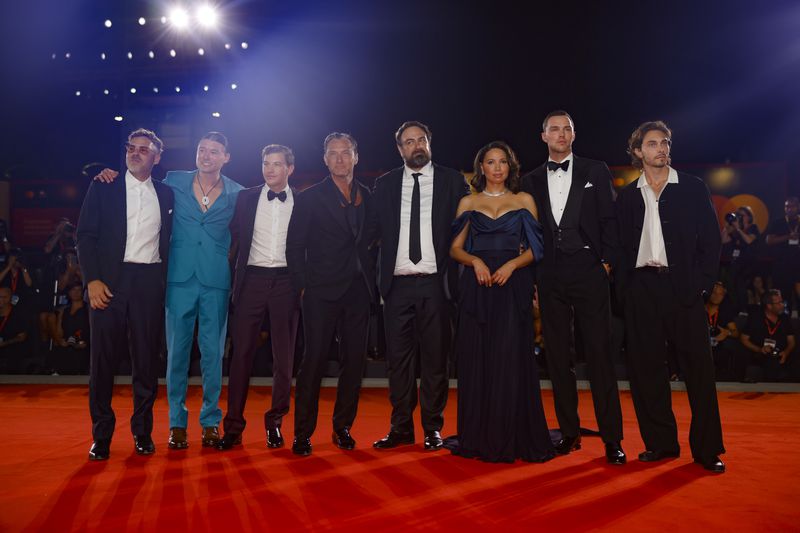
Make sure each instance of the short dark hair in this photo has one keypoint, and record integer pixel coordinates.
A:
(637, 138)
(216, 137)
(556, 113)
(478, 180)
(141, 132)
(411, 124)
(278, 149)
(768, 295)
(339, 135)
(746, 209)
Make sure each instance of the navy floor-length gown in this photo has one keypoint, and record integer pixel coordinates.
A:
(500, 413)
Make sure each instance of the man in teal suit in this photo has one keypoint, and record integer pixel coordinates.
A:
(198, 283)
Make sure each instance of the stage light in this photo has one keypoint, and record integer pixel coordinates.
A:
(227, 46)
(107, 23)
(172, 53)
(130, 55)
(163, 20)
(155, 90)
(52, 56)
(77, 93)
(205, 88)
(234, 86)
(177, 89)
(244, 45)
(105, 92)
(207, 16)
(118, 118)
(215, 114)
(151, 54)
(103, 56)
(201, 52)
(179, 18)
(133, 90)
(67, 55)
(142, 21)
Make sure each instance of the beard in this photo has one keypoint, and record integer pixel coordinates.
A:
(418, 159)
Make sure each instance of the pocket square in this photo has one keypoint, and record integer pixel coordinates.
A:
(588, 184)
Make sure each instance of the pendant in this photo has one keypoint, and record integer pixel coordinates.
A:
(205, 201)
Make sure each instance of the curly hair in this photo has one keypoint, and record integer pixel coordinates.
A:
(637, 138)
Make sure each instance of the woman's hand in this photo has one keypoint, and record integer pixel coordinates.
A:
(502, 274)
(482, 273)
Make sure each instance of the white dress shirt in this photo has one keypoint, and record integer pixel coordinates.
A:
(652, 251)
(268, 248)
(144, 221)
(427, 265)
(558, 183)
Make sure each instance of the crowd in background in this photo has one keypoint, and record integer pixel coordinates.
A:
(752, 312)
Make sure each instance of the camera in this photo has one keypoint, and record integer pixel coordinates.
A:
(731, 218)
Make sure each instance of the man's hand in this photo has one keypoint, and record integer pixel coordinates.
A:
(99, 295)
(107, 175)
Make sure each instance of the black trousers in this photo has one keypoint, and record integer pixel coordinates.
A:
(349, 317)
(136, 316)
(576, 287)
(416, 314)
(654, 316)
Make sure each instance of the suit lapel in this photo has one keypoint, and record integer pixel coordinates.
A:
(330, 198)
(577, 187)
(542, 190)
(249, 219)
(440, 215)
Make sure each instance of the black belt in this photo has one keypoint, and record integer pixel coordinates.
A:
(414, 275)
(654, 269)
(269, 272)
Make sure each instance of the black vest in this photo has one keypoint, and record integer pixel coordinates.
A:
(567, 237)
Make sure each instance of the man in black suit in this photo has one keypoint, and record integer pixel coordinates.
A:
(671, 246)
(262, 287)
(576, 206)
(123, 244)
(330, 266)
(411, 213)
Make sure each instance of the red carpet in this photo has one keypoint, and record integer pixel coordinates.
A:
(46, 483)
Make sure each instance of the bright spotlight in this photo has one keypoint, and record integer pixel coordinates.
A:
(130, 55)
(227, 46)
(234, 86)
(163, 20)
(177, 89)
(151, 54)
(52, 56)
(179, 18)
(118, 118)
(215, 114)
(67, 55)
(133, 90)
(244, 45)
(201, 52)
(107, 23)
(172, 53)
(105, 92)
(206, 16)
(142, 21)
(155, 90)
(103, 56)
(205, 88)
(77, 93)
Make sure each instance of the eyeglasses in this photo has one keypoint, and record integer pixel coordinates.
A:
(133, 148)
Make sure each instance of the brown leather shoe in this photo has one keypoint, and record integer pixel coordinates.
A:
(177, 439)
(210, 437)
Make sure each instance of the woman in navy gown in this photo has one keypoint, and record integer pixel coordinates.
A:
(497, 238)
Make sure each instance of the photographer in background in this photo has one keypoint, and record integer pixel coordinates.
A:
(739, 240)
(722, 333)
(16, 276)
(13, 334)
(769, 338)
(71, 339)
(783, 243)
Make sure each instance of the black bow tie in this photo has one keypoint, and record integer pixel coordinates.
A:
(552, 165)
(271, 195)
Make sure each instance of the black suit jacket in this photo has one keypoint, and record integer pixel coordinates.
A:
(383, 220)
(691, 235)
(103, 229)
(598, 222)
(322, 254)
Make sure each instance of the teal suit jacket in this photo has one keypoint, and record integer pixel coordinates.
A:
(200, 239)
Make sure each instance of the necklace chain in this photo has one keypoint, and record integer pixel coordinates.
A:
(206, 200)
(494, 194)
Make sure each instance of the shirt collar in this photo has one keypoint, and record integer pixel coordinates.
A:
(131, 181)
(426, 171)
(568, 158)
(287, 190)
(672, 177)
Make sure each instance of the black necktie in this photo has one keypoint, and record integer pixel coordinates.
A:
(414, 247)
(552, 165)
(271, 195)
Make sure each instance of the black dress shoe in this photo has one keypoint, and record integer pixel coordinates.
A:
(144, 445)
(342, 439)
(274, 438)
(714, 464)
(301, 446)
(567, 444)
(393, 439)
(614, 454)
(648, 456)
(433, 440)
(229, 440)
(100, 450)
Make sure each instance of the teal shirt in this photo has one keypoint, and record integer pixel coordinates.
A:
(200, 239)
